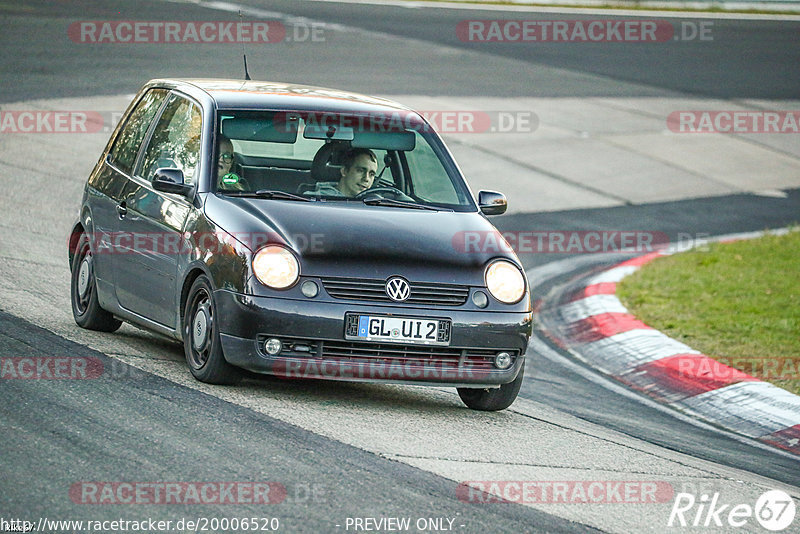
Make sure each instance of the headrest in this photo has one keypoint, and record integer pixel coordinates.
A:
(327, 162)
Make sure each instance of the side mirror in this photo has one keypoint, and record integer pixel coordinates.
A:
(492, 202)
(170, 181)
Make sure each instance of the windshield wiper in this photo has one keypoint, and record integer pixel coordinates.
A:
(379, 201)
(283, 195)
(270, 193)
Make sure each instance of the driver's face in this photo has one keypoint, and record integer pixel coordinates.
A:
(359, 176)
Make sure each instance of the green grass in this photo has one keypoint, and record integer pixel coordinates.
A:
(738, 303)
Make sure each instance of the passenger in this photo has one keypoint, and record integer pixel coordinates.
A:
(227, 179)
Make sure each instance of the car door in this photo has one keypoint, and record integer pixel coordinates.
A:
(106, 187)
(154, 221)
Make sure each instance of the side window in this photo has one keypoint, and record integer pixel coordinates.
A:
(126, 146)
(429, 178)
(176, 140)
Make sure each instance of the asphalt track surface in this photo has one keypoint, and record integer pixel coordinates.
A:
(151, 429)
(746, 58)
(140, 423)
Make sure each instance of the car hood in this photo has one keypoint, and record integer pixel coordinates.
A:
(340, 238)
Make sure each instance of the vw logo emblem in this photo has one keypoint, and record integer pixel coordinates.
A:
(397, 289)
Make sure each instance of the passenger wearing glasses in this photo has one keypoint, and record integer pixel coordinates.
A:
(226, 179)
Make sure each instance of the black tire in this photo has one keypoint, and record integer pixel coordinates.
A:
(201, 343)
(492, 399)
(83, 292)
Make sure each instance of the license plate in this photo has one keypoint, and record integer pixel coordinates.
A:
(398, 329)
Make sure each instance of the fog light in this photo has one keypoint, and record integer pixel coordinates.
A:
(309, 289)
(273, 346)
(480, 299)
(502, 360)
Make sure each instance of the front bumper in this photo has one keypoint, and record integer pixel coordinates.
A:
(313, 337)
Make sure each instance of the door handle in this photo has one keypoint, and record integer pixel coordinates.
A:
(122, 209)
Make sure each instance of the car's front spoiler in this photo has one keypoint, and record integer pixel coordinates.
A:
(246, 321)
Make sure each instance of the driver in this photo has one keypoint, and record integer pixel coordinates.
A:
(359, 166)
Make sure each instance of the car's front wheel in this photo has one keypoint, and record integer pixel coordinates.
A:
(83, 292)
(201, 341)
(492, 399)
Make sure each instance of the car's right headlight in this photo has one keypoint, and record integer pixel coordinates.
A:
(505, 281)
(276, 267)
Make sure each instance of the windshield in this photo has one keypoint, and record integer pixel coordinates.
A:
(333, 157)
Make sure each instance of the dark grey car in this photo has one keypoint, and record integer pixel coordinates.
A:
(255, 260)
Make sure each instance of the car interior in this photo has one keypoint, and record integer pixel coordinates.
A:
(300, 174)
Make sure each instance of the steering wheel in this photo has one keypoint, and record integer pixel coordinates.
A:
(395, 193)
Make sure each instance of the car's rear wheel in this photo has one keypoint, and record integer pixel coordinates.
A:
(201, 341)
(492, 399)
(83, 292)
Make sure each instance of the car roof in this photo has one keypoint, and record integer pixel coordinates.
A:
(252, 94)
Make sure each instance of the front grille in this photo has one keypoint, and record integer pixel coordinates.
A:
(424, 293)
(353, 351)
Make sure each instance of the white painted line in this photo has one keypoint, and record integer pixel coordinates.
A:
(676, 248)
(590, 306)
(613, 275)
(548, 271)
(597, 9)
(622, 352)
(753, 408)
(540, 348)
(745, 410)
(266, 14)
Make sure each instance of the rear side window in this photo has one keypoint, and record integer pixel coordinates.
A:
(126, 146)
(176, 140)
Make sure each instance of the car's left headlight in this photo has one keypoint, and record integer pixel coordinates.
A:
(505, 281)
(276, 267)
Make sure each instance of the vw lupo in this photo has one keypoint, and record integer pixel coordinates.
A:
(216, 216)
